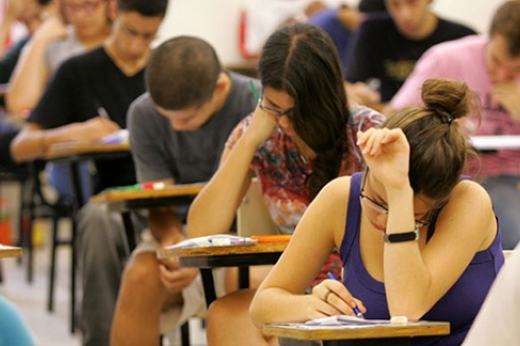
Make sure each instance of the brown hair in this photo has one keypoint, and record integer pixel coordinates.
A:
(506, 22)
(182, 72)
(438, 147)
(301, 59)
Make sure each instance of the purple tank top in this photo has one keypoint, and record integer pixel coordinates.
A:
(459, 305)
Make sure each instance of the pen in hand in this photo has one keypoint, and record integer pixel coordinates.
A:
(355, 308)
(103, 113)
(253, 89)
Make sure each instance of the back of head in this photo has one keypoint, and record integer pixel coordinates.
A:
(370, 6)
(146, 8)
(438, 147)
(182, 73)
(506, 22)
(302, 60)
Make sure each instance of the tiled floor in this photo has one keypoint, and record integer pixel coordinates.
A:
(52, 329)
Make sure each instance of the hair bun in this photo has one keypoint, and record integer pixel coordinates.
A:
(448, 99)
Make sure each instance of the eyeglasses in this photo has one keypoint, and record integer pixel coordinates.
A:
(288, 113)
(88, 7)
(378, 207)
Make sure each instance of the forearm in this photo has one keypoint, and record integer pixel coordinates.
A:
(215, 207)
(32, 143)
(407, 279)
(28, 80)
(4, 33)
(275, 305)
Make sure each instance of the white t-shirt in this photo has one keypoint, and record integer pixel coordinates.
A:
(498, 320)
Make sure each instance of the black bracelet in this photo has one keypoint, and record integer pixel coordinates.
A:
(401, 237)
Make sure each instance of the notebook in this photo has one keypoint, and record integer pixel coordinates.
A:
(253, 218)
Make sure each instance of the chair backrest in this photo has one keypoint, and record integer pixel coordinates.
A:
(253, 218)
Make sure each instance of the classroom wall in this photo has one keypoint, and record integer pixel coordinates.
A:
(217, 20)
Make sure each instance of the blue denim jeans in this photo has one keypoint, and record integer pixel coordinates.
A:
(59, 178)
(505, 194)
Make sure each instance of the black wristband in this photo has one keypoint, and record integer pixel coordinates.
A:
(401, 237)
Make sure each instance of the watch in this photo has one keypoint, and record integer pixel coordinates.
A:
(401, 237)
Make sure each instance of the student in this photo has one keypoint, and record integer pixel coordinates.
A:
(177, 132)
(294, 142)
(70, 111)
(490, 65)
(416, 238)
(55, 41)
(340, 22)
(30, 13)
(387, 46)
(13, 329)
(497, 321)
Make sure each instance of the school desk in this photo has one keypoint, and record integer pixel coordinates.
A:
(208, 257)
(10, 251)
(124, 200)
(377, 334)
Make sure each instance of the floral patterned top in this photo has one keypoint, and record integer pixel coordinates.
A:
(282, 172)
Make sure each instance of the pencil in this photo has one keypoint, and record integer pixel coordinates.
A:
(103, 113)
(253, 89)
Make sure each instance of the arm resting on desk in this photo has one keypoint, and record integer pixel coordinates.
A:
(33, 141)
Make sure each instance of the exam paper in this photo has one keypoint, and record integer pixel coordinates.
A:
(343, 320)
(213, 240)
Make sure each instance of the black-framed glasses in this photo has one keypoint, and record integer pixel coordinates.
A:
(378, 207)
(278, 113)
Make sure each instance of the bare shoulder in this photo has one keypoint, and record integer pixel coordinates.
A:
(337, 188)
(332, 201)
(472, 193)
(470, 213)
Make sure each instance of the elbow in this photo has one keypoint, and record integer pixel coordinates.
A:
(21, 150)
(16, 150)
(413, 312)
(255, 311)
(194, 229)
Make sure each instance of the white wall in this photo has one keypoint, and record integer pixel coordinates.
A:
(217, 20)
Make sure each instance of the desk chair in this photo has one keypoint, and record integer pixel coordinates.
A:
(39, 206)
(253, 218)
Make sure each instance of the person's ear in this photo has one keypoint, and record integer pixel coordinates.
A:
(112, 10)
(222, 83)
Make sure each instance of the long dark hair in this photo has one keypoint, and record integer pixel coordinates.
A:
(302, 60)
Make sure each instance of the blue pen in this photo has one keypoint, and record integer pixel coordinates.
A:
(355, 308)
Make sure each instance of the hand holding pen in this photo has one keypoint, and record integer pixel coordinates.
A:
(353, 305)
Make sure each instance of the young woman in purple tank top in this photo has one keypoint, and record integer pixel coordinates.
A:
(414, 237)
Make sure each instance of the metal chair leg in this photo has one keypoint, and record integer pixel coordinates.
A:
(52, 269)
